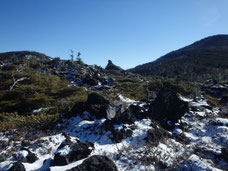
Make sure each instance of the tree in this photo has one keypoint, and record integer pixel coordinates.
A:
(72, 55)
(79, 59)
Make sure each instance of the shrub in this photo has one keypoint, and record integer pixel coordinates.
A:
(42, 121)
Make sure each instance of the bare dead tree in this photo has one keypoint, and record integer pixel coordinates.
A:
(72, 55)
(16, 81)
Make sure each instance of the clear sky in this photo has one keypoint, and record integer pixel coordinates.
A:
(129, 32)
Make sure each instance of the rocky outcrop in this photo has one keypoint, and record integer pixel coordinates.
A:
(167, 107)
(96, 163)
(77, 152)
(111, 66)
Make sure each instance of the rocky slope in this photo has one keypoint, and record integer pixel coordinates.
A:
(134, 141)
(71, 116)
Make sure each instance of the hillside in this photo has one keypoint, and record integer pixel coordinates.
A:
(63, 115)
(23, 55)
(204, 59)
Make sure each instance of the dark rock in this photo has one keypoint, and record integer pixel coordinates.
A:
(127, 117)
(138, 111)
(90, 80)
(60, 160)
(224, 152)
(18, 166)
(30, 158)
(95, 98)
(224, 100)
(121, 134)
(80, 151)
(167, 107)
(25, 143)
(77, 152)
(96, 163)
(155, 135)
(111, 66)
(78, 108)
(2, 158)
(97, 105)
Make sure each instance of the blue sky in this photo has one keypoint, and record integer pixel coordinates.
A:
(129, 32)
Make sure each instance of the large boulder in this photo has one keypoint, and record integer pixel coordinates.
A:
(96, 163)
(17, 166)
(167, 107)
(97, 105)
(77, 152)
(95, 98)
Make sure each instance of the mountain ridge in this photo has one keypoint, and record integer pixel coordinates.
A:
(210, 53)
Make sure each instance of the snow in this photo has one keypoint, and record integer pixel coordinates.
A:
(21, 154)
(204, 130)
(125, 99)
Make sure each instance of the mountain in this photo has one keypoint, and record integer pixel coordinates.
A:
(23, 55)
(67, 115)
(204, 59)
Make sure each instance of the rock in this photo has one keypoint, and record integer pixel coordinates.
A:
(224, 100)
(155, 135)
(95, 98)
(80, 151)
(137, 111)
(78, 108)
(90, 80)
(77, 152)
(60, 160)
(167, 107)
(2, 158)
(224, 152)
(111, 66)
(30, 158)
(97, 105)
(96, 163)
(25, 143)
(121, 134)
(18, 166)
(125, 117)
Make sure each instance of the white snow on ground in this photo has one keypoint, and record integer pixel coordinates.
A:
(204, 130)
(126, 100)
